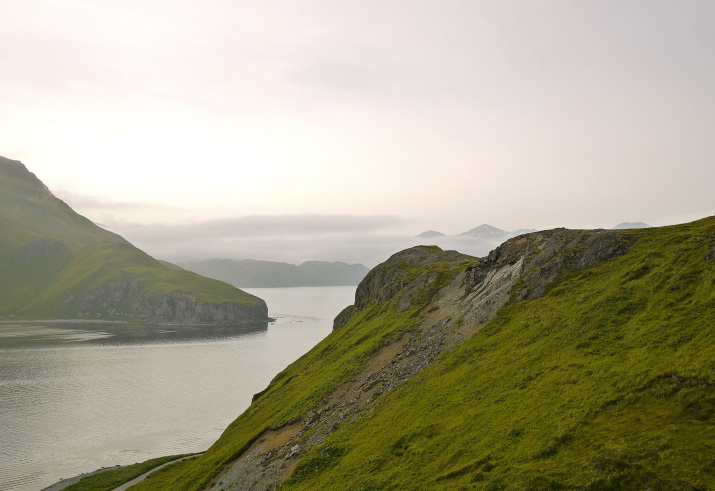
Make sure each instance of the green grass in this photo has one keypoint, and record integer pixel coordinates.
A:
(107, 480)
(50, 256)
(96, 265)
(34, 211)
(606, 382)
(300, 386)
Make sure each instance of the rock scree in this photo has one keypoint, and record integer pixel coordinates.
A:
(521, 268)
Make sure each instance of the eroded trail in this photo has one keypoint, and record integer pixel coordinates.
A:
(140, 478)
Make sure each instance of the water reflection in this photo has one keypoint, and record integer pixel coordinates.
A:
(60, 333)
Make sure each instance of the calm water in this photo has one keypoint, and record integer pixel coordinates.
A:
(75, 397)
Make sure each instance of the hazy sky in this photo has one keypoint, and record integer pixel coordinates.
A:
(296, 128)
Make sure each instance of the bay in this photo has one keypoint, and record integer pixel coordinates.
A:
(78, 396)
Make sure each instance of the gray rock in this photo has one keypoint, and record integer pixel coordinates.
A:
(129, 301)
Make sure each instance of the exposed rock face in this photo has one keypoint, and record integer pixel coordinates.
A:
(533, 260)
(521, 268)
(388, 279)
(344, 317)
(126, 300)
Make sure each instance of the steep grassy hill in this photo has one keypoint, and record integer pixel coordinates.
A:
(563, 360)
(29, 211)
(55, 263)
(270, 274)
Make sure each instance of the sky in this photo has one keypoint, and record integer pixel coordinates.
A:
(315, 129)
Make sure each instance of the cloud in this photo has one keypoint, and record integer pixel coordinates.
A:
(368, 240)
(291, 238)
(266, 226)
(85, 202)
(453, 113)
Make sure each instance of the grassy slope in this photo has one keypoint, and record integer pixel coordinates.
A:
(35, 212)
(35, 281)
(606, 382)
(24, 275)
(96, 264)
(108, 480)
(294, 391)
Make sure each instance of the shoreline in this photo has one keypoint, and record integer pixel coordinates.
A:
(63, 483)
(127, 323)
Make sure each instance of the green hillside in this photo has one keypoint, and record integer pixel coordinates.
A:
(270, 274)
(597, 373)
(55, 263)
(28, 210)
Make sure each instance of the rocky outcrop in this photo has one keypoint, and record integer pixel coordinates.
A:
(397, 275)
(126, 299)
(523, 267)
(388, 279)
(344, 317)
(520, 269)
(533, 261)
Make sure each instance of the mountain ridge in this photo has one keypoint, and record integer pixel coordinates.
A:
(55, 263)
(273, 274)
(42, 214)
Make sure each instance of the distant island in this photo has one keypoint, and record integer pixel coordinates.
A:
(271, 274)
(477, 241)
(484, 232)
(57, 264)
(429, 234)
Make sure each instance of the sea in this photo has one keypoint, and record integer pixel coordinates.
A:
(79, 396)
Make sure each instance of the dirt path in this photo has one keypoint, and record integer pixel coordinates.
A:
(59, 486)
(139, 479)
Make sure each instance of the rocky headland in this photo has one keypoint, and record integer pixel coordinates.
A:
(521, 268)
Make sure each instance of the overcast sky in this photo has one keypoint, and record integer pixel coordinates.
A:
(294, 129)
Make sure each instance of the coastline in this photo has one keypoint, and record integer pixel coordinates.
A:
(269, 320)
(63, 483)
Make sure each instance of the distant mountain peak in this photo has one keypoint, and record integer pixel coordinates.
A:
(625, 225)
(484, 231)
(430, 233)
